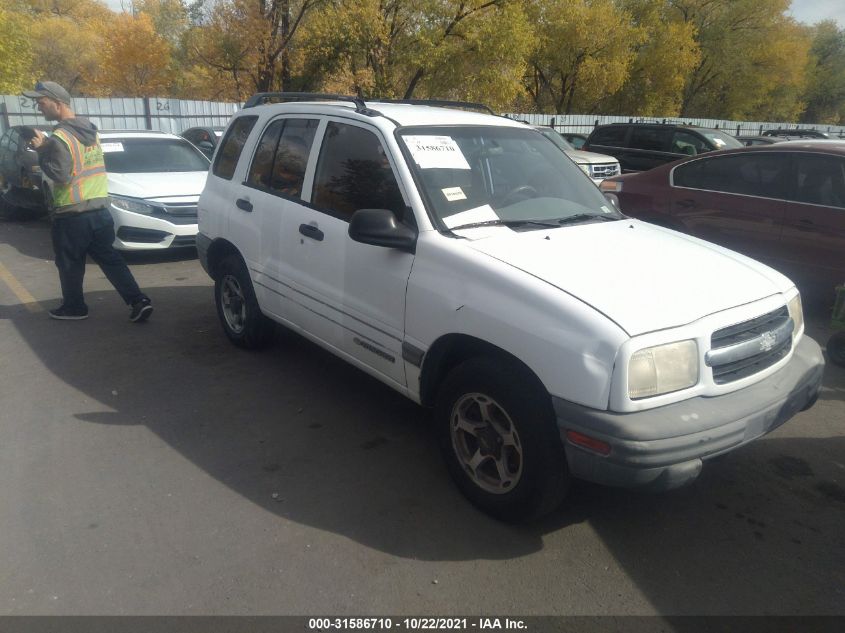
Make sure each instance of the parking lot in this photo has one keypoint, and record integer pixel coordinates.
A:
(156, 469)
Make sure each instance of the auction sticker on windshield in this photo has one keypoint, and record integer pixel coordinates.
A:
(436, 152)
(112, 147)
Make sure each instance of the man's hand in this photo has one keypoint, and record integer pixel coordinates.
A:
(38, 140)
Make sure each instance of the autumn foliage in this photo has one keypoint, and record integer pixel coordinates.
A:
(733, 59)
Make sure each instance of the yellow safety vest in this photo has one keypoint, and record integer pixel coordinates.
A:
(88, 176)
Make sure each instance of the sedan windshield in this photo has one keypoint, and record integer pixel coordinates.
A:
(151, 155)
(481, 176)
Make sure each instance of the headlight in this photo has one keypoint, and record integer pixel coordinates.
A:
(584, 168)
(796, 313)
(662, 369)
(134, 206)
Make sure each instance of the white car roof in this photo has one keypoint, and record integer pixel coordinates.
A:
(403, 114)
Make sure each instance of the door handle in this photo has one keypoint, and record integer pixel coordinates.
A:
(309, 230)
(244, 204)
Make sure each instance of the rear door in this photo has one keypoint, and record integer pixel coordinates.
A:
(813, 238)
(648, 147)
(736, 201)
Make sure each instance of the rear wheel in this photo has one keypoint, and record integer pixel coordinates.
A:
(499, 438)
(237, 307)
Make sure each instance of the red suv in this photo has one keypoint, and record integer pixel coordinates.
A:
(782, 204)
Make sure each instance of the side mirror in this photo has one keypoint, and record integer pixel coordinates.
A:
(379, 227)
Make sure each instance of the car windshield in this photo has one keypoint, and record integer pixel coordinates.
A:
(721, 140)
(480, 175)
(151, 155)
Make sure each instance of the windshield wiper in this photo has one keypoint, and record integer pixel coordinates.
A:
(580, 217)
(508, 223)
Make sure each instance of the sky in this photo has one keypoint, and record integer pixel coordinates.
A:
(807, 11)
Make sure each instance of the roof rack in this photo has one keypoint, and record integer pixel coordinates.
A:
(261, 98)
(442, 103)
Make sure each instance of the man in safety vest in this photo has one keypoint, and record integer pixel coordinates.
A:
(82, 225)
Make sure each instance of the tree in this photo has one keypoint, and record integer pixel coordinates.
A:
(16, 52)
(825, 94)
(135, 59)
(584, 52)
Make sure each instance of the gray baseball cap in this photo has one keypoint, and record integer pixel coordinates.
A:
(49, 89)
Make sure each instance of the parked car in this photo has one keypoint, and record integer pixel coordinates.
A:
(575, 139)
(205, 138)
(465, 262)
(154, 180)
(761, 140)
(782, 204)
(796, 133)
(643, 146)
(20, 175)
(596, 166)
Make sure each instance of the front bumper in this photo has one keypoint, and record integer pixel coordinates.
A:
(135, 231)
(664, 448)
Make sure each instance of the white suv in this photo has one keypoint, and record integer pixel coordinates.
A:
(464, 261)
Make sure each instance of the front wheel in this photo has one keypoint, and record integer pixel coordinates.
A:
(836, 349)
(499, 437)
(237, 307)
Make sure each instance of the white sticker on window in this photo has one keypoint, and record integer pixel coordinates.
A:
(454, 193)
(479, 214)
(436, 152)
(111, 147)
(718, 142)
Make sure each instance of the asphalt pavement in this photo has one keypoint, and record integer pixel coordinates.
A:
(156, 469)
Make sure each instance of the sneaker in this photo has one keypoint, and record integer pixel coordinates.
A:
(141, 311)
(67, 314)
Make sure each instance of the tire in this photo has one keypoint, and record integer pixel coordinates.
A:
(237, 307)
(836, 349)
(510, 463)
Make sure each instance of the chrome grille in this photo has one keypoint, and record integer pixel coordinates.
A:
(604, 170)
(746, 348)
(189, 208)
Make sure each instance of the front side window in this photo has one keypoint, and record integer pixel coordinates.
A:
(649, 138)
(762, 174)
(720, 140)
(282, 156)
(353, 173)
(233, 144)
(686, 143)
(151, 155)
(473, 175)
(262, 162)
(820, 180)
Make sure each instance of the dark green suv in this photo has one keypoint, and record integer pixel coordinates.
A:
(642, 146)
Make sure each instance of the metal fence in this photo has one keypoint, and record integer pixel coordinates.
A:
(584, 123)
(166, 115)
(176, 115)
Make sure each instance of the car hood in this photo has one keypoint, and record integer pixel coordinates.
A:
(644, 278)
(163, 187)
(589, 158)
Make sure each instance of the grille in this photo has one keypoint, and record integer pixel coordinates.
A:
(181, 209)
(604, 170)
(184, 240)
(749, 347)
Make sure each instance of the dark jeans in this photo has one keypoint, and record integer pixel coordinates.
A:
(91, 233)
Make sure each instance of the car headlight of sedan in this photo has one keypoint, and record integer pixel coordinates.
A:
(134, 205)
(654, 371)
(796, 313)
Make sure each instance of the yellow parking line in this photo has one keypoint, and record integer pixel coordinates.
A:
(28, 301)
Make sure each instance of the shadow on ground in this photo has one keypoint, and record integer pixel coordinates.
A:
(307, 437)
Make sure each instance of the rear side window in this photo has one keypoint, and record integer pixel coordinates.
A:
(613, 135)
(282, 155)
(649, 138)
(354, 173)
(760, 174)
(820, 180)
(233, 144)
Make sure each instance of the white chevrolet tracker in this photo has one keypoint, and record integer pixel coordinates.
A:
(466, 262)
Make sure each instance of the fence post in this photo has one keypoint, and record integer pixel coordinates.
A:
(4, 112)
(148, 115)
